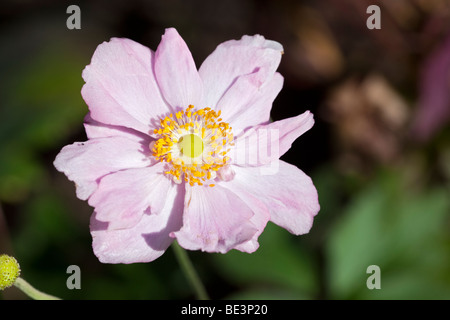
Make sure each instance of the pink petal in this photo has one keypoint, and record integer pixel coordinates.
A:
(120, 85)
(95, 129)
(215, 220)
(260, 217)
(123, 197)
(248, 102)
(264, 144)
(290, 195)
(144, 242)
(236, 58)
(176, 72)
(86, 162)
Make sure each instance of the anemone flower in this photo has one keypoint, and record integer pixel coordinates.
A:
(179, 153)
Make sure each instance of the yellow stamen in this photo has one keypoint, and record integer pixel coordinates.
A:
(192, 144)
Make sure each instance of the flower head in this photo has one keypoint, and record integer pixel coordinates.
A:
(9, 271)
(179, 153)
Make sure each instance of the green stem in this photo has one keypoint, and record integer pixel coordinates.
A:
(189, 271)
(31, 291)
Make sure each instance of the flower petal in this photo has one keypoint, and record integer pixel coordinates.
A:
(215, 220)
(144, 242)
(264, 144)
(86, 162)
(95, 129)
(235, 58)
(260, 217)
(176, 72)
(248, 102)
(120, 85)
(122, 198)
(290, 195)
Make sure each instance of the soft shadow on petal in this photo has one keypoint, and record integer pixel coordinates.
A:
(214, 220)
(260, 216)
(123, 197)
(144, 242)
(289, 195)
(95, 129)
(97, 225)
(174, 208)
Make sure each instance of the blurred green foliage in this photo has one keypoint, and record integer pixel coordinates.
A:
(280, 268)
(41, 106)
(404, 232)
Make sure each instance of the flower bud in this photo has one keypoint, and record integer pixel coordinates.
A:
(9, 271)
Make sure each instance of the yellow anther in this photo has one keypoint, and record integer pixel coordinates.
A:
(192, 144)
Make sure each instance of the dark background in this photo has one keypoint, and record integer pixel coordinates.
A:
(379, 153)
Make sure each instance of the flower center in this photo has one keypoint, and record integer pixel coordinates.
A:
(191, 145)
(194, 144)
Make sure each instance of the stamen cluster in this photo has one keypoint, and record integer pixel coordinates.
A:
(206, 136)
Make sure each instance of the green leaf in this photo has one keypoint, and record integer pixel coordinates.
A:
(281, 262)
(401, 231)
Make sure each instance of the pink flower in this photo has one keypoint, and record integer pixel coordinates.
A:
(163, 139)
